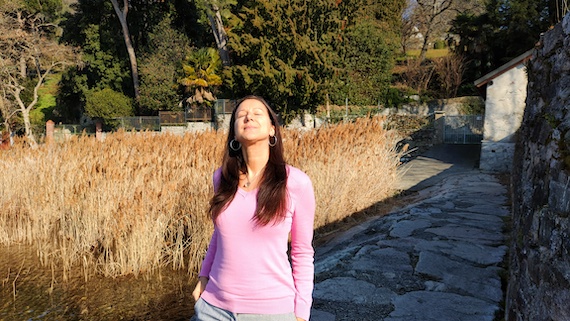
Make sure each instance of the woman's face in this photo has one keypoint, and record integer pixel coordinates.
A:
(252, 122)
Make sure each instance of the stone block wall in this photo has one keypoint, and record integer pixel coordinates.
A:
(450, 107)
(496, 156)
(539, 283)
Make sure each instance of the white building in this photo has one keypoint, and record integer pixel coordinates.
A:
(506, 90)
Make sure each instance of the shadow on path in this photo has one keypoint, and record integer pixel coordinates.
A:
(437, 255)
(436, 163)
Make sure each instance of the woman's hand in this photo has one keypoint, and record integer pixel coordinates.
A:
(200, 287)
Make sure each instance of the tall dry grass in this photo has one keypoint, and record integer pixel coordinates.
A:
(137, 202)
(352, 165)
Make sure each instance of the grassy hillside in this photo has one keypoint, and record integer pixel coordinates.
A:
(431, 53)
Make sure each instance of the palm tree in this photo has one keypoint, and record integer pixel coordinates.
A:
(200, 70)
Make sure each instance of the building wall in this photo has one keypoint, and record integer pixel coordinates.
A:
(504, 108)
(539, 281)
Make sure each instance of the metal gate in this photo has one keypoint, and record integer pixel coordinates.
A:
(466, 129)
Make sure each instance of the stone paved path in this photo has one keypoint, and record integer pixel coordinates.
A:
(438, 259)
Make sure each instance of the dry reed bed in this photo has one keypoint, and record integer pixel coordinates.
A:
(137, 202)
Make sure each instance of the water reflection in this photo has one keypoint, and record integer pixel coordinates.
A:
(30, 291)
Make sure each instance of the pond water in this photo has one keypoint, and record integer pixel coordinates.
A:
(29, 291)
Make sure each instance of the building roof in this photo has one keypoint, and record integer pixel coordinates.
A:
(504, 68)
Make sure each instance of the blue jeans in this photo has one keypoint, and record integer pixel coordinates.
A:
(204, 311)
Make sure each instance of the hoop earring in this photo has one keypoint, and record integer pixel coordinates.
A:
(274, 141)
(233, 146)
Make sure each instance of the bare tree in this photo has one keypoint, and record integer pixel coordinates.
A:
(450, 71)
(27, 55)
(430, 14)
(433, 18)
(408, 27)
(406, 34)
(122, 15)
(417, 75)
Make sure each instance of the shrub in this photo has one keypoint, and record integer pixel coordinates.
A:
(439, 44)
(396, 97)
(449, 71)
(107, 104)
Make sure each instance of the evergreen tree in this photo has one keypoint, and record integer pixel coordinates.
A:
(368, 40)
(281, 51)
(296, 52)
(160, 67)
(366, 61)
(479, 43)
(506, 30)
(520, 23)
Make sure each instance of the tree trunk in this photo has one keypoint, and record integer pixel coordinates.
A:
(28, 128)
(220, 35)
(432, 10)
(25, 111)
(23, 67)
(7, 126)
(16, 91)
(425, 46)
(122, 15)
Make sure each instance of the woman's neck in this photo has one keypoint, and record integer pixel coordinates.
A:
(255, 157)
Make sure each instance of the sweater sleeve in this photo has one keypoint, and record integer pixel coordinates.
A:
(211, 253)
(302, 252)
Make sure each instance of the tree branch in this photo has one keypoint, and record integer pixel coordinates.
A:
(40, 82)
(125, 8)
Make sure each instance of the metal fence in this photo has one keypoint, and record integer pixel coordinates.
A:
(63, 132)
(140, 123)
(177, 118)
(463, 129)
(199, 115)
(224, 106)
(72, 129)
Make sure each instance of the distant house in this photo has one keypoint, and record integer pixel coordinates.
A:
(505, 100)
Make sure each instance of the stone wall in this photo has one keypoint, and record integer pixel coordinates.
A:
(539, 284)
(450, 107)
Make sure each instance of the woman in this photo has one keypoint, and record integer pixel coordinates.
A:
(258, 201)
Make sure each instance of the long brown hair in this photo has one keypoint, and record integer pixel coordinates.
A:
(272, 194)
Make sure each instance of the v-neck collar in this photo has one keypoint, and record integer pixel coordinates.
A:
(245, 193)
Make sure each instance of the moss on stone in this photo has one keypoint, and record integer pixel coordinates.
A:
(551, 120)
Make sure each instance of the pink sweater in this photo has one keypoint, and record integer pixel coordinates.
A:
(248, 266)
